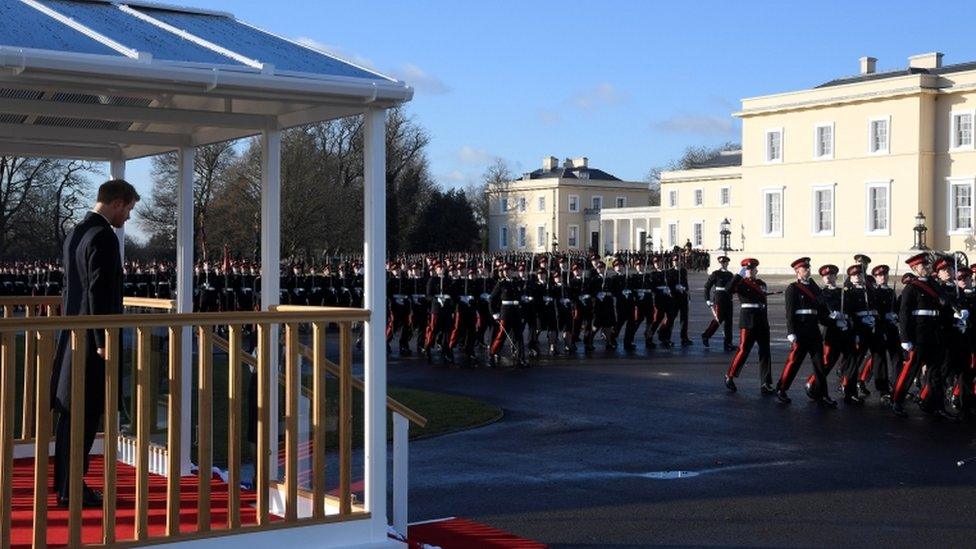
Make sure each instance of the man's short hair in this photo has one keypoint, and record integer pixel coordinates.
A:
(117, 189)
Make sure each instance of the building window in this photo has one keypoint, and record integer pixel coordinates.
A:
(878, 208)
(774, 145)
(672, 234)
(503, 237)
(724, 196)
(673, 198)
(773, 212)
(504, 205)
(621, 201)
(699, 197)
(542, 203)
(698, 232)
(573, 239)
(879, 135)
(823, 210)
(540, 236)
(574, 202)
(597, 203)
(521, 204)
(824, 141)
(521, 236)
(960, 205)
(962, 130)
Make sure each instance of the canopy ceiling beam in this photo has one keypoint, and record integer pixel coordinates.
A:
(120, 113)
(56, 150)
(81, 136)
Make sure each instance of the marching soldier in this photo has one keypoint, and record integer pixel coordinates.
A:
(863, 319)
(753, 325)
(506, 310)
(886, 351)
(604, 315)
(804, 314)
(439, 322)
(677, 278)
(663, 307)
(466, 318)
(719, 301)
(837, 336)
(641, 306)
(399, 309)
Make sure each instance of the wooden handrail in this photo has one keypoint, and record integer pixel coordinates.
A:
(165, 320)
(149, 303)
(334, 369)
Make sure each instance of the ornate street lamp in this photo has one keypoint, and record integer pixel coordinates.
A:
(725, 233)
(920, 230)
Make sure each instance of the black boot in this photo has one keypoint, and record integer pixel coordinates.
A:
(704, 340)
(782, 396)
(730, 384)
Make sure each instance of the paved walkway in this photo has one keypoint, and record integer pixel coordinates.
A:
(577, 459)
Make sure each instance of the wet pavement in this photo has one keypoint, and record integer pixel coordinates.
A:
(649, 448)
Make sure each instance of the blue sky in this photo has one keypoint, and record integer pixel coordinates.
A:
(630, 84)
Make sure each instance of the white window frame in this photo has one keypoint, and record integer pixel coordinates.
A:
(503, 237)
(781, 191)
(951, 221)
(673, 237)
(620, 202)
(673, 198)
(503, 205)
(569, 237)
(570, 205)
(816, 141)
(815, 213)
(698, 197)
(887, 148)
(593, 200)
(522, 237)
(953, 146)
(540, 236)
(523, 204)
(782, 143)
(728, 199)
(868, 230)
(541, 203)
(698, 241)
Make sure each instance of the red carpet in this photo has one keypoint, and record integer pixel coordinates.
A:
(457, 533)
(57, 518)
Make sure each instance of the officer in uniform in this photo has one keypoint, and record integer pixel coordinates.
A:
(803, 317)
(920, 317)
(605, 316)
(837, 336)
(858, 308)
(641, 303)
(677, 279)
(506, 310)
(753, 325)
(719, 301)
(439, 322)
(466, 315)
(886, 350)
(663, 307)
(399, 300)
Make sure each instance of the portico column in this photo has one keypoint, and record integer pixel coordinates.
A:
(118, 172)
(184, 295)
(271, 267)
(374, 252)
(616, 236)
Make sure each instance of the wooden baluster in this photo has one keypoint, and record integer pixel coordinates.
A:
(143, 403)
(345, 418)
(205, 426)
(7, 380)
(30, 360)
(173, 423)
(291, 422)
(234, 427)
(76, 464)
(264, 423)
(42, 437)
(318, 419)
(110, 442)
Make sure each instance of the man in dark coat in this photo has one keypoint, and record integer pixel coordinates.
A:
(92, 286)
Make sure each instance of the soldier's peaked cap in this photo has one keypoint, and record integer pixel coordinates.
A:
(862, 258)
(749, 262)
(918, 259)
(854, 270)
(828, 269)
(723, 258)
(801, 262)
(880, 270)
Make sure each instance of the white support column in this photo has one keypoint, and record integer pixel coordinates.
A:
(374, 253)
(184, 296)
(401, 471)
(615, 243)
(271, 262)
(118, 172)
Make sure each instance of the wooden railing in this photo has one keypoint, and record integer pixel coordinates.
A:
(41, 331)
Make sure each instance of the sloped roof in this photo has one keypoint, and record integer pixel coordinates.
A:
(948, 69)
(723, 160)
(573, 173)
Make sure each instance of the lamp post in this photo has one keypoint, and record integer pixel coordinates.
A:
(725, 233)
(920, 229)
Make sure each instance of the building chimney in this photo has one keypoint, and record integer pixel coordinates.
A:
(568, 163)
(550, 163)
(931, 60)
(868, 65)
(580, 162)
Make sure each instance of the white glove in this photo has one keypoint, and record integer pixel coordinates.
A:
(869, 320)
(709, 303)
(892, 317)
(835, 315)
(496, 316)
(842, 324)
(962, 315)
(742, 272)
(790, 337)
(907, 346)
(679, 287)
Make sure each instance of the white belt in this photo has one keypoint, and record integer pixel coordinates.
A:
(399, 296)
(626, 292)
(925, 312)
(418, 296)
(486, 296)
(866, 313)
(547, 299)
(585, 296)
(442, 296)
(719, 289)
(510, 302)
(527, 298)
(753, 306)
(802, 311)
(668, 288)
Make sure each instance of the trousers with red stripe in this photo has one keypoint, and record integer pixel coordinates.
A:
(931, 356)
(803, 347)
(837, 344)
(509, 328)
(747, 338)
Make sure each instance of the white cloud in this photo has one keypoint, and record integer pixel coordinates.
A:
(696, 124)
(602, 95)
(336, 51)
(470, 155)
(421, 80)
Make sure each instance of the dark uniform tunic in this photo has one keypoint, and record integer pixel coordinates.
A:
(753, 326)
(804, 314)
(718, 294)
(922, 317)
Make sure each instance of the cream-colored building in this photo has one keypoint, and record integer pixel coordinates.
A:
(571, 206)
(843, 168)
